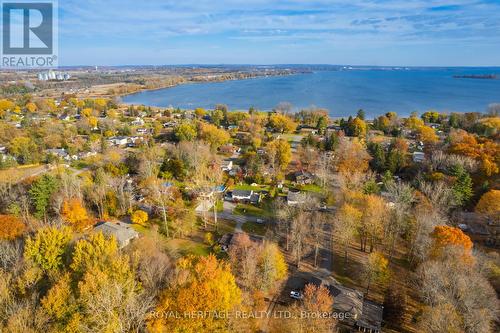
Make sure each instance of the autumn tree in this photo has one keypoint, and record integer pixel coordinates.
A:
(185, 132)
(489, 203)
(73, 212)
(279, 153)
(346, 220)
(427, 135)
(139, 217)
(212, 135)
(282, 123)
(94, 251)
(11, 227)
(351, 157)
(272, 266)
(317, 307)
(452, 305)
(48, 247)
(203, 284)
(376, 269)
(445, 236)
(24, 149)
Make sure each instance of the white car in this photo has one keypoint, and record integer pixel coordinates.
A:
(296, 295)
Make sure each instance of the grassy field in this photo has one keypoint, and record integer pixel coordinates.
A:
(247, 187)
(242, 209)
(254, 228)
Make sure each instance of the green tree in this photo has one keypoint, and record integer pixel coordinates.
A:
(40, 193)
(322, 124)
(462, 188)
(361, 114)
(217, 117)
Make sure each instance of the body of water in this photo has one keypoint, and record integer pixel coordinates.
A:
(341, 92)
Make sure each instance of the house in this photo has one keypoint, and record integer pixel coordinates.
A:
(418, 157)
(138, 122)
(295, 197)
(61, 153)
(304, 177)
(122, 232)
(3, 149)
(364, 315)
(354, 311)
(227, 165)
(118, 140)
(240, 195)
(142, 130)
(229, 149)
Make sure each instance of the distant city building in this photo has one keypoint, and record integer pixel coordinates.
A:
(53, 76)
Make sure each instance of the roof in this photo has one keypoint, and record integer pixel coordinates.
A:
(295, 196)
(371, 317)
(303, 173)
(242, 193)
(346, 300)
(123, 232)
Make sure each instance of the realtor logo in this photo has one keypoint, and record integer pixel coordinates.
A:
(29, 34)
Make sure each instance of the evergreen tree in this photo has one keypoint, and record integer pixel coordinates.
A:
(40, 193)
(462, 189)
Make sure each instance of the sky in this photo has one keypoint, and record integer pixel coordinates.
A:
(366, 32)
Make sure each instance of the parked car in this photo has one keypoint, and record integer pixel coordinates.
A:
(260, 221)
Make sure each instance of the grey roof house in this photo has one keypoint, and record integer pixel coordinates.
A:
(123, 232)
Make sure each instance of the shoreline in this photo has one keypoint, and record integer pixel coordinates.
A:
(193, 82)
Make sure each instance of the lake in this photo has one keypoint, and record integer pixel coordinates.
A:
(341, 92)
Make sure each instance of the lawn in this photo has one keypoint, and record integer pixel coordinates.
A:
(187, 246)
(247, 187)
(311, 188)
(242, 209)
(254, 228)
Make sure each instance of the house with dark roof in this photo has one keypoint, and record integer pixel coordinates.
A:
(304, 177)
(354, 311)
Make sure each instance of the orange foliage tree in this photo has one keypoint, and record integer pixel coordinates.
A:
(489, 203)
(444, 236)
(75, 214)
(203, 284)
(481, 149)
(11, 227)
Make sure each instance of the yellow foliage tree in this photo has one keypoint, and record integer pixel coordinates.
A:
(93, 252)
(139, 217)
(427, 135)
(31, 107)
(47, 248)
(282, 123)
(489, 203)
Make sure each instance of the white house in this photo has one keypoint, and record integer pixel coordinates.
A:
(138, 122)
(118, 140)
(227, 165)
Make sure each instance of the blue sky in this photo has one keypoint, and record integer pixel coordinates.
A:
(366, 32)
